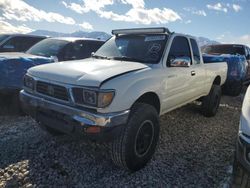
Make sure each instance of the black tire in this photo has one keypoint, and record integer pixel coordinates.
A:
(241, 177)
(211, 102)
(136, 144)
(236, 90)
(15, 105)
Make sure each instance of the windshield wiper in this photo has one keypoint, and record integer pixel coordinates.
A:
(126, 58)
(100, 57)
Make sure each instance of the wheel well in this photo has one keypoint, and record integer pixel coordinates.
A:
(152, 99)
(217, 80)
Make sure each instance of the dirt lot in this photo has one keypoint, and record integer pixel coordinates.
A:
(193, 151)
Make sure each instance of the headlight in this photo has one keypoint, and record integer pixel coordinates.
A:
(89, 97)
(29, 82)
(93, 98)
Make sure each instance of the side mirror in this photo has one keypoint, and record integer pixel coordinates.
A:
(180, 62)
(55, 58)
(92, 54)
(9, 47)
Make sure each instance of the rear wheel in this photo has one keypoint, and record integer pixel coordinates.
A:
(136, 144)
(211, 102)
(235, 89)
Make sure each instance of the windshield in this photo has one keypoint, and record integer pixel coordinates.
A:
(140, 48)
(224, 49)
(3, 37)
(48, 47)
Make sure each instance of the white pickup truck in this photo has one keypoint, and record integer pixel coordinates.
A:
(119, 93)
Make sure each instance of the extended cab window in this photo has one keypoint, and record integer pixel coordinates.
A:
(179, 49)
(196, 52)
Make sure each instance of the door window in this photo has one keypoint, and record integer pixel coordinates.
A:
(196, 52)
(20, 44)
(179, 49)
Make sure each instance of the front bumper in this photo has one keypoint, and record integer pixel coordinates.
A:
(242, 150)
(69, 119)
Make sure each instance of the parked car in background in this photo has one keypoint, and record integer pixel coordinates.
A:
(236, 77)
(13, 66)
(242, 156)
(18, 42)
(119, 93)
(237, 71)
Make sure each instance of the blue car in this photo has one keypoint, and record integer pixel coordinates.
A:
(237, 71)
(13, 66)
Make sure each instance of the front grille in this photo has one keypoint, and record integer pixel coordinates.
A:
(52, 90)
(78, 95)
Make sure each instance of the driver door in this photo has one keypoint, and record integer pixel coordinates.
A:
(179, 80)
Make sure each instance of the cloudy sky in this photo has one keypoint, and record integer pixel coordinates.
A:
(224, 21)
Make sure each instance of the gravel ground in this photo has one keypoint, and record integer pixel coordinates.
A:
(193, 151)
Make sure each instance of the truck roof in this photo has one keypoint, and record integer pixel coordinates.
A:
(149, 30)
(27, 35)
(72, 39)
(227, 45)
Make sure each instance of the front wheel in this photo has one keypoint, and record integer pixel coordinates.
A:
(211, 102)
(136, 144)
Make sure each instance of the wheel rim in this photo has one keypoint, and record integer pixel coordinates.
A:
(144, 138)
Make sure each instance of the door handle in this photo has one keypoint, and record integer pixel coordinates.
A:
(192, 73)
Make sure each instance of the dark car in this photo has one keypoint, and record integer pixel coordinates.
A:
(238, 59)
(18, 42)
(236, 74)
(13, 66)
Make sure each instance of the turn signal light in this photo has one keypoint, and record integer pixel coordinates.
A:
(93, 130)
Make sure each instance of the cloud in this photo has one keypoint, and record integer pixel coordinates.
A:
(134, 3)
(195, 11)
(88, 5)
(188, 22)
(236, 7)
(200, 13)
(137, 14)
(21, 11)
(225, 7)
(86, 25)
(6, 27)
(218, 7)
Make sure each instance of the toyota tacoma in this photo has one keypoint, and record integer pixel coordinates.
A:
(118, 94)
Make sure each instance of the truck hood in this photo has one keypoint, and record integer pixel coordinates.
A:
(22, 56)
(88, 72)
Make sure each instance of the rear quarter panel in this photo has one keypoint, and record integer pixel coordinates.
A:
(212, 71)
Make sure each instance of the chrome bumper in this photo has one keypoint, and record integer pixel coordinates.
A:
(83, 117)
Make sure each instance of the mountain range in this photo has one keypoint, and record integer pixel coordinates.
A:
(102, 36)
